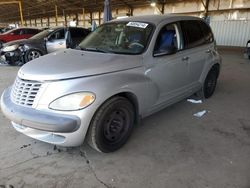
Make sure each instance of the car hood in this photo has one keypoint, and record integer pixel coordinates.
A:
(22, 41)
(70, 63)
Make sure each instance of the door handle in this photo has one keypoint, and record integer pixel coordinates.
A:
(185, 58)
(60, 43)
(208, 51)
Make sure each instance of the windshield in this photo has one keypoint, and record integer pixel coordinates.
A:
(120, 38)
(42, 34)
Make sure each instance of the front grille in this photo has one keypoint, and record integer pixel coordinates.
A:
(24, 91)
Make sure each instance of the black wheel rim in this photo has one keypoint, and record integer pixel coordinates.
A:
(116, 126)
(211, 84)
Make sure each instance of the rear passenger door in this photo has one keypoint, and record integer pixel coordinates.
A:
(196, 50)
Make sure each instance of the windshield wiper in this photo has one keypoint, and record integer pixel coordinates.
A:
(96, 50)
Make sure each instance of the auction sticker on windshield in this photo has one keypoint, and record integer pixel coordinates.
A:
(137, 24)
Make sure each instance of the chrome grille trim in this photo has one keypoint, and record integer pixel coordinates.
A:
(24, 91)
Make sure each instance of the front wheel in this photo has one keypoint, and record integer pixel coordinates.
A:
(112, 125)
(32, 54)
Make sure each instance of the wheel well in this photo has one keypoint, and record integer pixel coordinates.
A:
(216, 68)
(133, 99)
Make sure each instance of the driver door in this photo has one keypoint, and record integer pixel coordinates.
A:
(56, 41)
(169, 71)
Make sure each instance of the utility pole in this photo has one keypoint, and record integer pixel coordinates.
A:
(20, 8)
(206, 6)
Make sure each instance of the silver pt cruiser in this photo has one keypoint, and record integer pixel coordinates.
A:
(125, 70)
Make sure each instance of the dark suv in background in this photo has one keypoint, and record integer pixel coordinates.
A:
(47, 41)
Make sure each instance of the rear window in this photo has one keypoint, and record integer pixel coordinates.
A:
(193, 35)
(208, 35)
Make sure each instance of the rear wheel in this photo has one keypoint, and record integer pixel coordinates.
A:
(210, 83)
(112, 125)
(32, 54)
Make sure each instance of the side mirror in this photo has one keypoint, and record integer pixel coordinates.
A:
(165, 51)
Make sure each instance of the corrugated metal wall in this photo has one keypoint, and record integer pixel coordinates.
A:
(231, 32)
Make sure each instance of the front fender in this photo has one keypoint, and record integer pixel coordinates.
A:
(105, 86)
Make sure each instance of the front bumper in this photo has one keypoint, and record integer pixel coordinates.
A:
(37, 119)
(14, 57)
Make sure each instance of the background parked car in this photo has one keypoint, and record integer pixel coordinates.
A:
(47, 41)
(18, 33)
(5, 29)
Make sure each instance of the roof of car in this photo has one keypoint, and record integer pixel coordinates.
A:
(26, 28)
(11, 30)
(156, 19)
(62, 27)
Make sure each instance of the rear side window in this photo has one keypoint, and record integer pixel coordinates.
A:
(193, 35)
(77, 33)
(208, 35)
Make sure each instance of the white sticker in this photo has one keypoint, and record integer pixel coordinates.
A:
(137, 24)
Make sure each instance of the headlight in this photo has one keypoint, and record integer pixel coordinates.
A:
(74, 101)
(10, 48)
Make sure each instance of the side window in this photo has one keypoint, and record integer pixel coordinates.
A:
(22, 32)
(77, 33)
(60, 34)
(208, 35)
(168, 37)
(17, 32)
(193, 35)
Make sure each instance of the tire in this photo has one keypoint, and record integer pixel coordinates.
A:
(111, 125)
(32, 54)
(210, 83)
(1, 44)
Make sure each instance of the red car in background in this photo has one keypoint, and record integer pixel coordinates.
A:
(18, 33)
